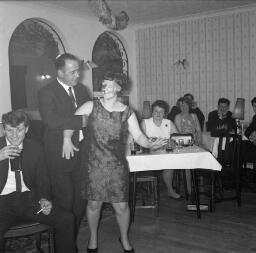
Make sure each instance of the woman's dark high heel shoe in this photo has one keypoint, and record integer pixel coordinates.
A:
(92, 250)
(126, 250)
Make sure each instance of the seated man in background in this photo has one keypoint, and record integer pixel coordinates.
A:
(220, 122)
(249, 147)
(175, 110)
(24, 185)
(195, 109)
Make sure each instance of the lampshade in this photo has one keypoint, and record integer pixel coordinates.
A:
(239, 109)
(146, 110)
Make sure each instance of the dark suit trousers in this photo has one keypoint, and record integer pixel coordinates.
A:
(23, 206)
(66, 184)
(248, 152)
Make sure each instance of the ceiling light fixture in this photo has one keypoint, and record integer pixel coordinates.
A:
(103, 12)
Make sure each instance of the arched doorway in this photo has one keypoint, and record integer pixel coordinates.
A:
(110, 55)
(32, 49)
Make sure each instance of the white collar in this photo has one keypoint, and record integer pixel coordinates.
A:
(65, 86)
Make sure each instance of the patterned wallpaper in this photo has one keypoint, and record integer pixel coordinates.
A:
(221, 52)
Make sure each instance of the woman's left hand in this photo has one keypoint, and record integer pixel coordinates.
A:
(158, 143)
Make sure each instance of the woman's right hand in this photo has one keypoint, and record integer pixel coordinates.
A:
(157, 143)
(68, 148)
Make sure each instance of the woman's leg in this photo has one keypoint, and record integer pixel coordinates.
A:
(123, 219)
(168, 177)
(93, 215)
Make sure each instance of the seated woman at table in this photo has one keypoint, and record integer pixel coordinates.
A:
(187, 122)
(158, 126)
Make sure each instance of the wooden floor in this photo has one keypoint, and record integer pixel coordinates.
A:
(228, 229)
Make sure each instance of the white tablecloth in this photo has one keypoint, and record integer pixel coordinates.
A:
(211, 143)
(186, 158)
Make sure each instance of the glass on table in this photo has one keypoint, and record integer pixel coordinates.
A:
(190, 143)
(132, 148)
(180, 143)
(170, 145)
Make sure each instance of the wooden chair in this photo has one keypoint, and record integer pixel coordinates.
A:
(145, 185)
(32, 228)
(229, 149)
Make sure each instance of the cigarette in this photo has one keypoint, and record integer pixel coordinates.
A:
(40, 210)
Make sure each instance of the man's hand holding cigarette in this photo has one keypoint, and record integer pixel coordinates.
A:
(46, 206)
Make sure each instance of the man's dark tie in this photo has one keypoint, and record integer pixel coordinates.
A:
(18, 180)
(72, 96)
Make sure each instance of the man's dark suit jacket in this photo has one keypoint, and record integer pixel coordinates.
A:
(57, 112)
(215, 125)
(33, 169)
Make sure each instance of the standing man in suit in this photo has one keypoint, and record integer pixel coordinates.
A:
(57, 103)
(24, 188)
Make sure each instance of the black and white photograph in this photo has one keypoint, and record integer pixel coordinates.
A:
(128, 126)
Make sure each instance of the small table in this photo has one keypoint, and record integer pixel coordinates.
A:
(185, 158)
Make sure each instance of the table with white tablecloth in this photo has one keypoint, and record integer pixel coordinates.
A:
(184, 158)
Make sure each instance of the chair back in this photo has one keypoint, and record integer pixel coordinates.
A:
(25, 229)
(229, 149)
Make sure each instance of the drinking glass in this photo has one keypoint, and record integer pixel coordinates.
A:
(180, 143)
(15, 163)
(132, 148)
(190, 143)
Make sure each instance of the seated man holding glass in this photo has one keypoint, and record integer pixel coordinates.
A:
(24, 185)
(220, 122)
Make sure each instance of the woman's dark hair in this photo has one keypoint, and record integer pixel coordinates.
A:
(119, 78)
(189, 95)
(61, 60)
(253, 100)
(185, 100)
(162, 104)
(14, 118)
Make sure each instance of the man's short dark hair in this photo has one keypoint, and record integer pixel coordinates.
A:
(223, 101)
(61, 60)
(253, 100)
(162, 104)
(189, 95)
(14, 118)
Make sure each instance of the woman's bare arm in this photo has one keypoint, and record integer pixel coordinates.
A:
(139, 137)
